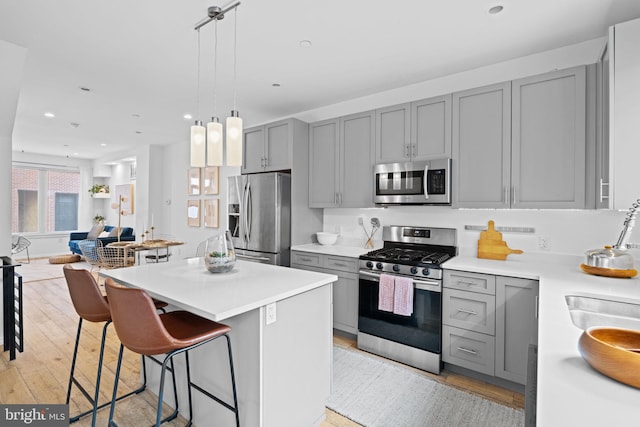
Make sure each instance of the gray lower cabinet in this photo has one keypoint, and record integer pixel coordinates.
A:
(341, 162)
(522, 144)
(488, 323)
(345, 290)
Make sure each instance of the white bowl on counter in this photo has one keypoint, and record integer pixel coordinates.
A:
(326, 238)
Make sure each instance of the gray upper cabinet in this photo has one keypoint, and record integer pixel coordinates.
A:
(341, 161)
(602, 132)
(269, 148)
(420, 130)
(431, 128)
(522, 144)
(481, 147)
(324, 158)
(393, 134)
(549, 140)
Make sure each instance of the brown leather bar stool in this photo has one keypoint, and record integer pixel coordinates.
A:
(142, 330)
(92, 306)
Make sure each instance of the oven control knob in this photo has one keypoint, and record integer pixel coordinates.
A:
(425, 271)
(396, 268)
(414, 270)
(379, 266)
(369, 264)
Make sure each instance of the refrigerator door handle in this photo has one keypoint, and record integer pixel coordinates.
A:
(248, 212)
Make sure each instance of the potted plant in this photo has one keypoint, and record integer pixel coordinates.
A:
(98, 219)
(99, 188)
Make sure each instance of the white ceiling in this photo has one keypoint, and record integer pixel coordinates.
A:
(139, 58)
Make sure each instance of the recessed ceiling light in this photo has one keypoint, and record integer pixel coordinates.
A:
(66, 145)
(305, 43)
(74, 125)
(137, 116)
(188, 116)
(275, 84)
(85, 89)
(138, 132)
(495, 10)
(103, 145)
(50, 115)
(75, 154)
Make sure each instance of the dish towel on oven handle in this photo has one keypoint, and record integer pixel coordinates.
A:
(385, 292)
(403, 296)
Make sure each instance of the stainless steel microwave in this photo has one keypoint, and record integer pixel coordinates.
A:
(413, 183)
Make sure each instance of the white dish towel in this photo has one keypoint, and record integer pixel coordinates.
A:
(385, 292)
(403, 296)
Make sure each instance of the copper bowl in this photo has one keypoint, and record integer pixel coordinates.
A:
(613, 352)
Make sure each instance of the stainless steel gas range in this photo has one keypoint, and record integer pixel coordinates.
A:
(412, 257)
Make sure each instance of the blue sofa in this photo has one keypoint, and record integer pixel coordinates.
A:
(125, 236)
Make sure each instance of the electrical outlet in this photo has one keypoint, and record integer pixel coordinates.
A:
(543, 243)
(270, 316)
(360, 220)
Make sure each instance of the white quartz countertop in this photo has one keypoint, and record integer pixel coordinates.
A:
(570, 392)
(188, 285)
(347, 251)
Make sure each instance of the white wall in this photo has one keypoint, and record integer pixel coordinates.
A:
(174, 200)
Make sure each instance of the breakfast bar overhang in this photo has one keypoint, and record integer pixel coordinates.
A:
(283, 368)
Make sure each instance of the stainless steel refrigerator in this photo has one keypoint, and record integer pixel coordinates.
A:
(260, 217)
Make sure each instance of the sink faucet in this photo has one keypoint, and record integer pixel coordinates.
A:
(629, 222)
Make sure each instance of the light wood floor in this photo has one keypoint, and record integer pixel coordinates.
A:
(41, 373)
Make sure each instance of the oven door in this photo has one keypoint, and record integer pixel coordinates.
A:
(423, 329)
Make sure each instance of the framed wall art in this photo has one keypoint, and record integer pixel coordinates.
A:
(193, 182)
(193, 213)
(124, 193)
(211, 213)
(211, 180)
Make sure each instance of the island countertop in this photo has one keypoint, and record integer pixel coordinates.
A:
(217, 296)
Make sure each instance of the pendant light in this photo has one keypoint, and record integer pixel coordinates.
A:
(198, 132)
(214, 127)
(234, 122)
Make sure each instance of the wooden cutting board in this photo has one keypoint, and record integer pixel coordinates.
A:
(491, 245)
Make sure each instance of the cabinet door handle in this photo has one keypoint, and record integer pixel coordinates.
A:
(406, 151)
(536, 312)
(466, 350)
(515, 199)
(506, 195)
(305, 259)
(462, 310)
(463, 282)
(339, 264)
(413, 150)
(602, 184)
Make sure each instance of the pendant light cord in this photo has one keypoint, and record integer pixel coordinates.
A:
(198, 80)
(215, 67)
(235, 54)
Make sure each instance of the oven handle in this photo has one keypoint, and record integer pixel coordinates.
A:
(424, 285)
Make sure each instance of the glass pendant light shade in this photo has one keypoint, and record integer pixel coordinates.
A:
(214, 142)
(198, 145)
(234, 139)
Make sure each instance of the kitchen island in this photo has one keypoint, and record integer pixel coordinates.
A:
(569, 391)
(283, 368)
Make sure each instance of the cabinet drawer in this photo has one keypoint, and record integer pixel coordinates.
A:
(307, 258)
(466, 281)
(468, 349)
(469, 310)
(349, 265)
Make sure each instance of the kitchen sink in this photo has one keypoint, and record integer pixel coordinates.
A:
(589, 310)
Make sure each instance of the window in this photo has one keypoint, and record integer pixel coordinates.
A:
(44, 200)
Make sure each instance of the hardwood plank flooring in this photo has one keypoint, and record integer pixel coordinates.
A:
(40, 374)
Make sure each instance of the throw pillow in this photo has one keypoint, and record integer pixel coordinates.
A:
(104, 234)
(95, 232)
(113, 232)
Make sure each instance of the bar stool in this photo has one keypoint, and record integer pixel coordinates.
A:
(92, 306)
(142, 330)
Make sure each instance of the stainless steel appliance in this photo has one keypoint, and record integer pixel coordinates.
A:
(416, 253)
(259, 210)
(413, 183)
